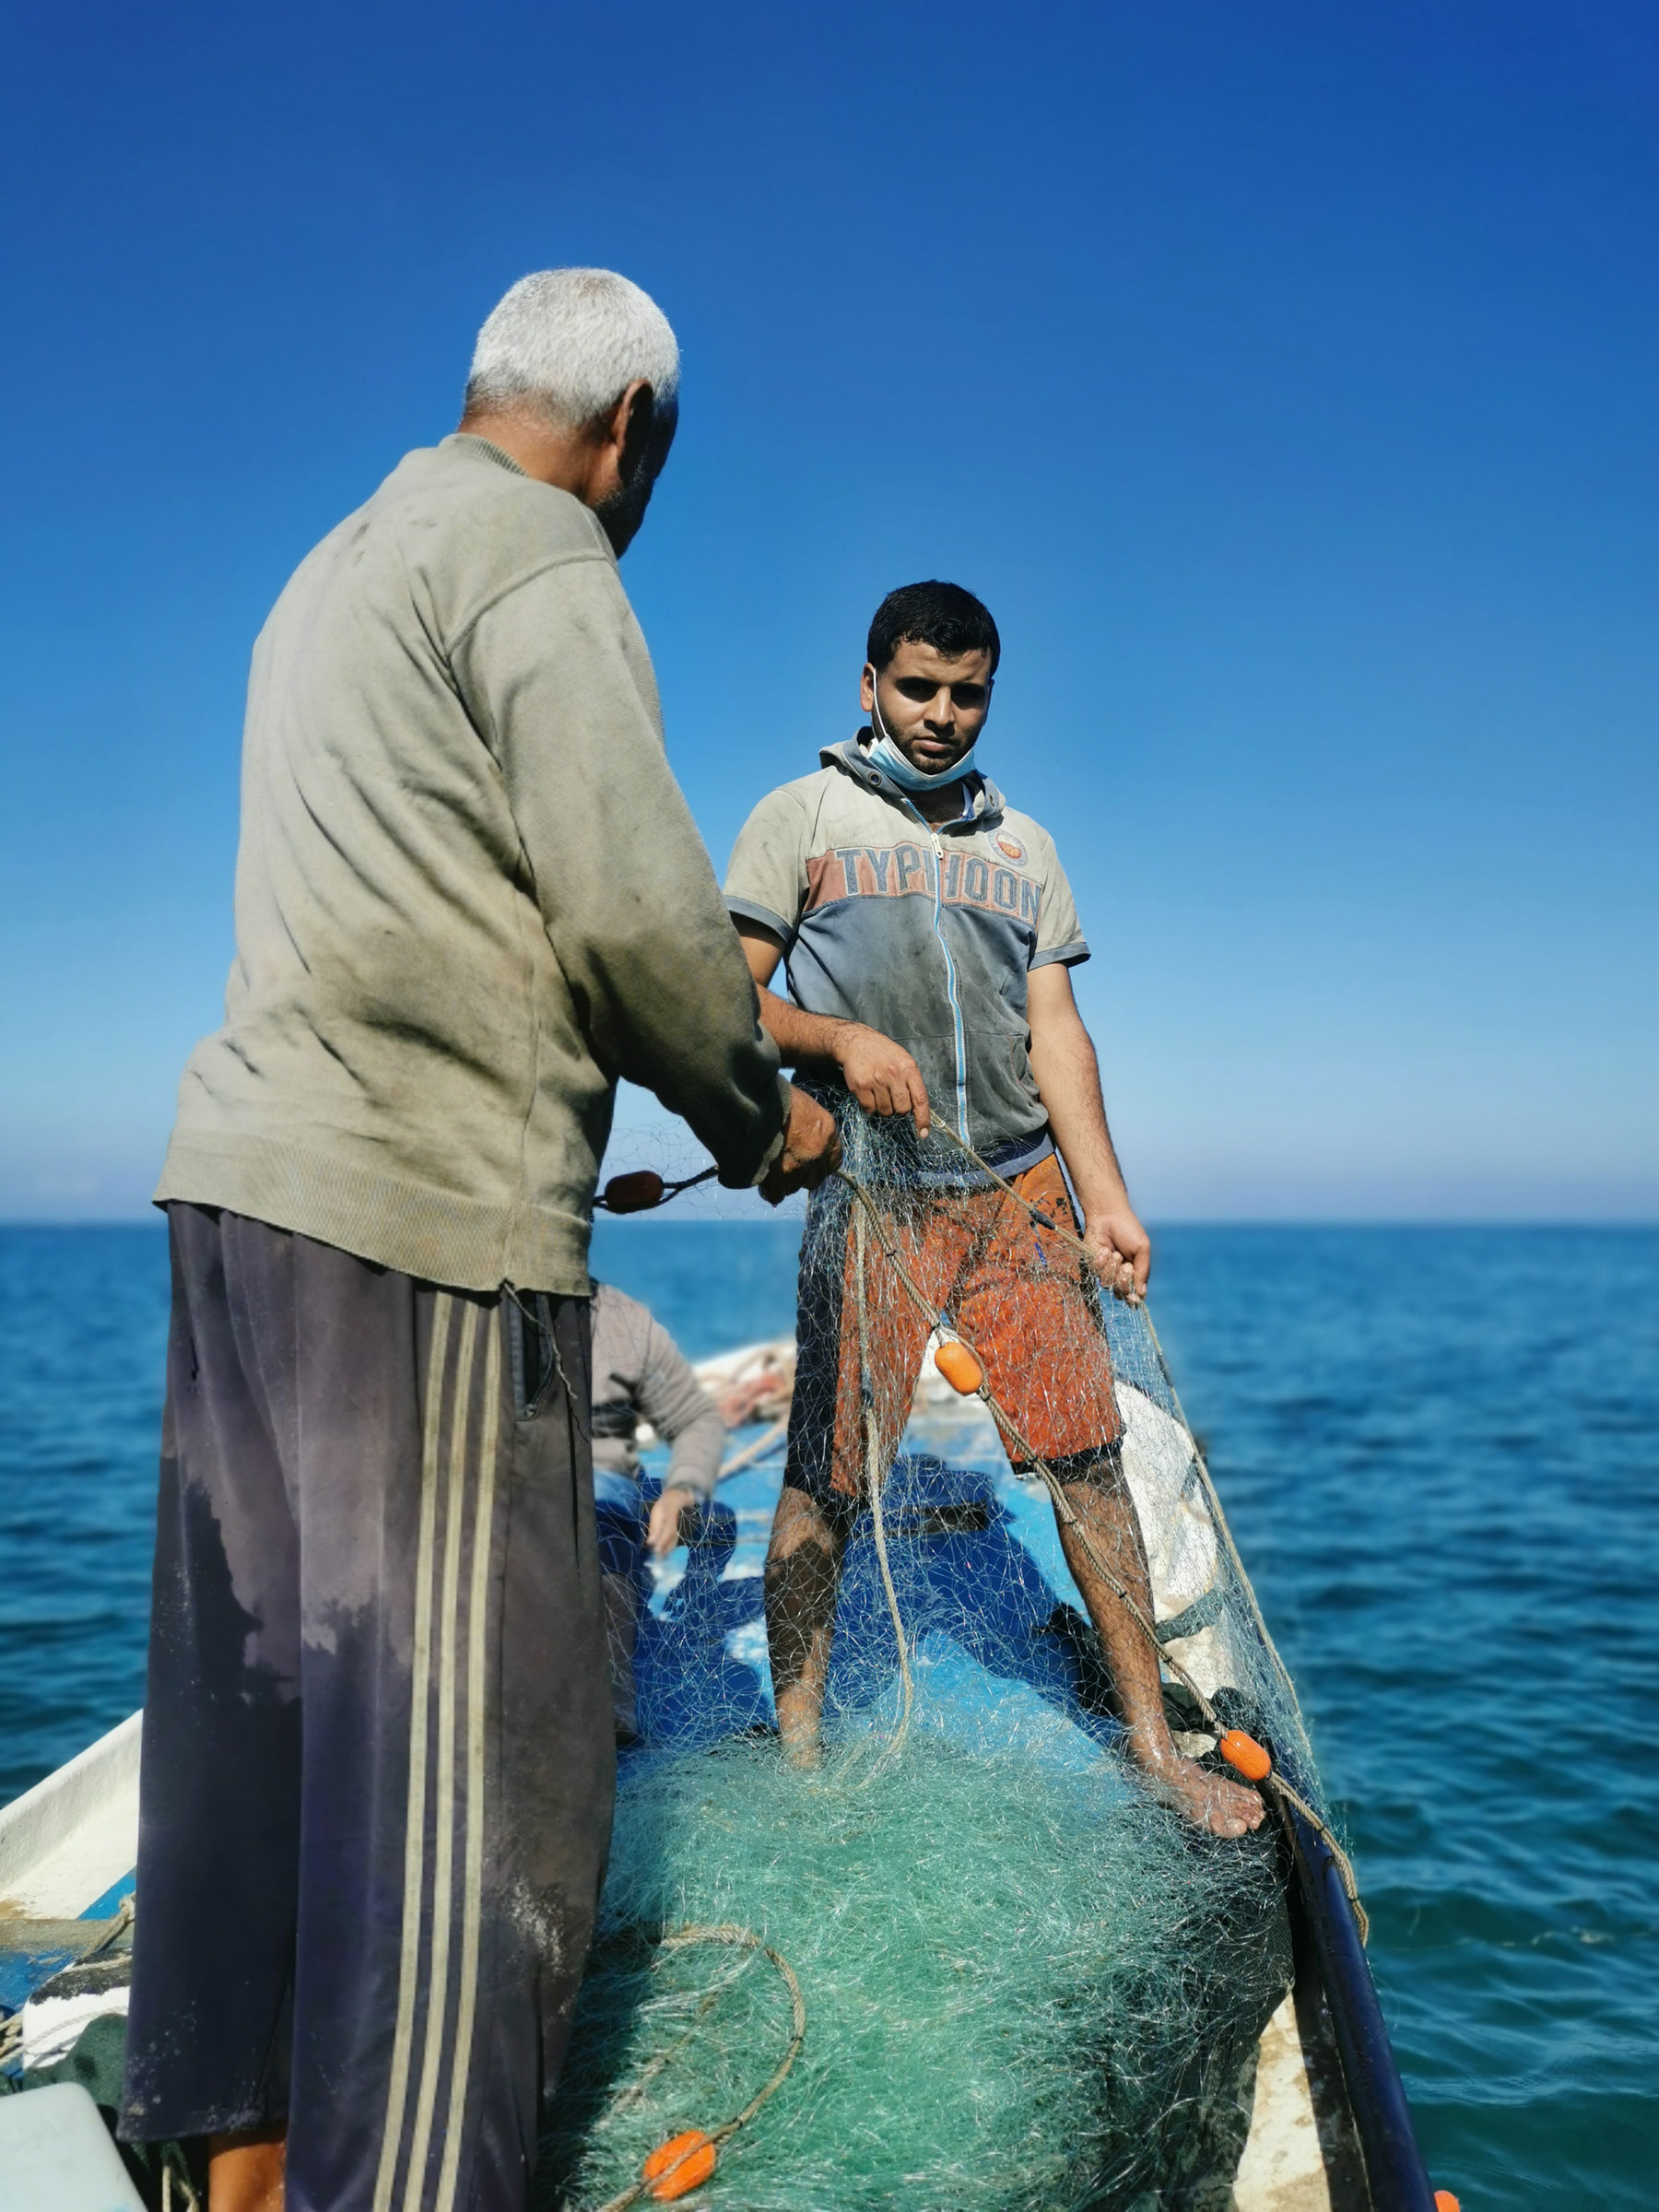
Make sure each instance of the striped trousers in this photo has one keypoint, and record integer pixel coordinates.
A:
(378, 1754)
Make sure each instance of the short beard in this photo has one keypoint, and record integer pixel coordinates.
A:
(621, 515)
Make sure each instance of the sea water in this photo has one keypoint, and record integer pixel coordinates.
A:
(1440, 1451)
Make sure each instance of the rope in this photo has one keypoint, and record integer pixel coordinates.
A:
(113, 1933)
(189, 2200)
(767, 1442)
(876, 1479)
(1345, 1866)
(735, 1938)
(1036, 1212)
(669, 1190)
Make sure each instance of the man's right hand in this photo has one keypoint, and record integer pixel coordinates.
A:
(881, 1074)
(811, 1149)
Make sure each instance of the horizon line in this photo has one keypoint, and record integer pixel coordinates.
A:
(1616, 1223)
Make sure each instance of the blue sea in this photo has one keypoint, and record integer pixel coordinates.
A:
(1440, 1451)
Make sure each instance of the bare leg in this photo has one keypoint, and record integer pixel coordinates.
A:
(244, 2171)
(803, 1575)
(1107, 1513)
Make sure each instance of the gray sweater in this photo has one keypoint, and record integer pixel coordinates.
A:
(470, 897)
(641, 1374)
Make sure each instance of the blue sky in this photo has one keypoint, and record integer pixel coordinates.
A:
(1284, 378)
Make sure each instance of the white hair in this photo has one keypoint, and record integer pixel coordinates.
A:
(570, 342)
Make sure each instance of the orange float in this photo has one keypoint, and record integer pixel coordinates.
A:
(1445, 2202)
(675, 2168)
(958, 1366)
(1245, 1756)
(635, 1192)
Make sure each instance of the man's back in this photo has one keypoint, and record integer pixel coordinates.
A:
(453, 732)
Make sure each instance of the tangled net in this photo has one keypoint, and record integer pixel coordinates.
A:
(1027, 1982)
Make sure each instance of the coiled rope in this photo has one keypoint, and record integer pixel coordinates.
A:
(663, 2172)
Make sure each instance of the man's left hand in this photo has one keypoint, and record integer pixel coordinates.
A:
(1121, 1252)
(662, 1532)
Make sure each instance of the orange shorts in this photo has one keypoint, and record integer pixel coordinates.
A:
(1020, 1296)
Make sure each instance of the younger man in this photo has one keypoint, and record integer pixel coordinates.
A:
(928, 930)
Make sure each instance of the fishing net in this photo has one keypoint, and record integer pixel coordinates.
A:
(1024, 1980)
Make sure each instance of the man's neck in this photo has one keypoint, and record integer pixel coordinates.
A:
(571, 460)
(945, 804)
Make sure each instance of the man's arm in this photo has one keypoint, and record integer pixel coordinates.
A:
(684, 1415)
(881, 1074)
(1068, 1082)
(556, 675)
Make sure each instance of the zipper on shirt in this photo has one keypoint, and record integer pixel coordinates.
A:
(960, 1034)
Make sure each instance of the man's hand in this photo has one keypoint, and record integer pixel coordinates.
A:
(881, 1074)
(1120, 1250)
(662, 1532)
(811, 1149)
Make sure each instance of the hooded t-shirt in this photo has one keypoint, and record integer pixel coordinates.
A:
(924, 931)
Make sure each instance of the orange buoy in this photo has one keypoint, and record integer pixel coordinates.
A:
(675, 2168)
(636, 1193)
(1445, 2202)
(1243, 1754)
(958, 1366)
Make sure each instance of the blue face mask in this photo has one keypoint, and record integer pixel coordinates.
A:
(892, 762)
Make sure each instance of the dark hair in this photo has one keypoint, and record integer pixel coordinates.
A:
(941, 615)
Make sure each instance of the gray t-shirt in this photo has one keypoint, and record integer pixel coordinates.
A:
(924, 931)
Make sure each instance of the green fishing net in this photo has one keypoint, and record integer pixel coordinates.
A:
(1027, 1982)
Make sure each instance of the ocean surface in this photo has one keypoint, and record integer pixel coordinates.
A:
(1439, 1452)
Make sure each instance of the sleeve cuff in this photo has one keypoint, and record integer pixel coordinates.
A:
(774, 1150)
(1073, 955)
(752, 910)
(698, 1472)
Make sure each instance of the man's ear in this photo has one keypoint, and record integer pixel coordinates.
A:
(866, 687)
(633, 427)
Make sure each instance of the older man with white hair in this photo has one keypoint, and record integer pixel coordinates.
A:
(378, 1758)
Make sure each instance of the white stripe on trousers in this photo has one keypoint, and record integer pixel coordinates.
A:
(435, 1664)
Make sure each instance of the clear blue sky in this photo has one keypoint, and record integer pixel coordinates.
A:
(1287, 377)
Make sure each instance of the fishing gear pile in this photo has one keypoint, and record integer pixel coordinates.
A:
(970, 1959)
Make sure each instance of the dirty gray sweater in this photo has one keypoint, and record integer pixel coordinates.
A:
(470, 897)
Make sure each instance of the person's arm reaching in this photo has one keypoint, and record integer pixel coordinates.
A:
(557, 675)
(681, 1411)
(1068, 1082)
(881, 1074)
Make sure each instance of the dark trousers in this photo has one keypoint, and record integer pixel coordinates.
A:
(378, 1763)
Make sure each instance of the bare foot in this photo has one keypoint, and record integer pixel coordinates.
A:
(1209, 1801)
(800, 1708)
(802, 1749)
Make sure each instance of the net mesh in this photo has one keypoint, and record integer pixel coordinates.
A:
(1027, 1982)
